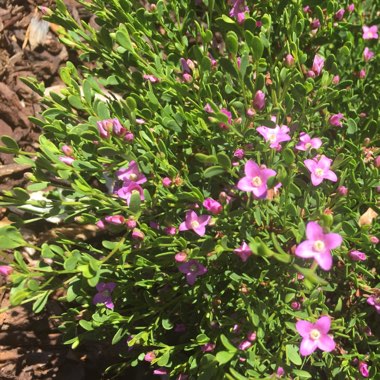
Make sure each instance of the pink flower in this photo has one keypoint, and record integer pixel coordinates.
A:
(66, 160)
(151, 78)
(357, 256)
(104, 294)
(255, 179)
(275, 135)
(336, 79)
(375, 302)
(315, 335)
(239, 153)
(180, 257)
(208, 108)
(368, 54)
(320, 170)
(335, 120)
(166, 182)
(339, 14)
(243, 251)
(5, 270)
(362, 74)
(318, 64)
(126, 192)
(192, 269)
(213, 206)
(306, 142)
(131, 174)
(318, 245)
(208, 347)
(229, 115)
(363, 368)
(238, 10)
(259, 100)
(315, 24)
(115, 219)
(196, 223)
(370, 32)
(244, 345)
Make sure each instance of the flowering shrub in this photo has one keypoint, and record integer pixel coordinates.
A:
(226, 152)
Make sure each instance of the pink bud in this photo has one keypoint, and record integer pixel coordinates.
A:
(315, 24)
(245, 345)
(259, 100)
(362, 74)
(259, 24)
(180, 257)
(357, 256)
(335, 120)
(68, 150)
(66, 160)
(280, 372)
(149, 356)
(339, 14)
(171, 230)
(307, 9)
(130, 223)
(250, 112)
(213, 206)
(187, 77)
(140, 121)
(166, 182)
(138, 234)
(239, 153)
(100, 224)
(45, 10)
(342, 190)
(129, 136)
(208, 108)
(363, 368)
(208, 347)
(374, 240)
(251, 336)
(336, 79)
(377, 162)
(115, 219)
(5, 270)
(310, 74)
(295, 305)
(351, 7)
(289, 60)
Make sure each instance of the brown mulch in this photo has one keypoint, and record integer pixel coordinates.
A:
(30, 344)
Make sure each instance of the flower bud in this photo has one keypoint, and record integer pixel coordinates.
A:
(149, 356)
(357, 256)
(138, 234)
(339, 14)
(129, 136)
(377, 161)
(259, 100)
(295, 305)
(315, 24)
(115, 219)
(351, 8)
(208, 347)
(100, 224)
(336, 79)
(245, 345)
(335, 120)
(67, 150)
(251, 336)
(213, 206)
(66, 160)
(374, 240)
(180, 257)
(171, 230)
(342, 190)
(239, 153)
(166, 182)
(130, 223)
(289, 60)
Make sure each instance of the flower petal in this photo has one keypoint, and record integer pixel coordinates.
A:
(310, 164)
(324, 259)
(308, 346)
(305, 249)
(183, 227)
(201, 230)
(316, 180)
(204, 219)
(332, 240)
(245, 184)
(304, 328)
(314, 231)
(330, 175)
(190, 278)
(323, 324)
(326, 343)
(251, 169)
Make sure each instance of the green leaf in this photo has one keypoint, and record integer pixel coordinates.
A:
(123, 38)
(224, 160)
(40, 303)
(135, 202)
(293, 354)
(257, 48)
(224, 357)
(213, 171)
(10, 143)
(226, 343)
(232, 43)
(302, 374)
(10, 238)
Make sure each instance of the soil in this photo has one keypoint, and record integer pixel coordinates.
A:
(30, 344)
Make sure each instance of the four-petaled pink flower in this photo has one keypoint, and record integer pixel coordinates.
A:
(318, 245)
(315, 335)
(276, 135)
(196, 223)
(375, 302)
(306, 142)
(104, 294)
(368, 54)
(255, 179)
(131, 174)
(238, 10)
(320, 170)
(318, 64)
(336, 120)
(370, 32)
(192, 269)
(243, 251)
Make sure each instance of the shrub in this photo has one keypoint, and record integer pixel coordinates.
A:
(218, 148)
